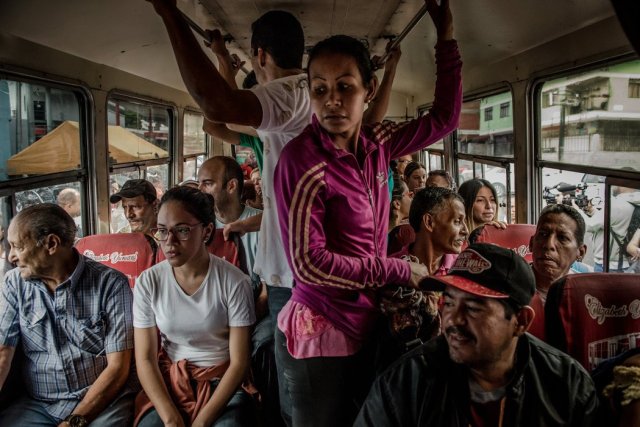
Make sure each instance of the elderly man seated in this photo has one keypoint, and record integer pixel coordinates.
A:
(73, 319)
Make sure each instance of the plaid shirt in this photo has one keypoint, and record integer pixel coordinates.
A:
(67, 335)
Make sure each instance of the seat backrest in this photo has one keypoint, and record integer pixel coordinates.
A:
(231, 250)
(594, 316)
(537, 326)
(129, 253)
(515, 237)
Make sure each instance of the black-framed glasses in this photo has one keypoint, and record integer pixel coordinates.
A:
(180, 232)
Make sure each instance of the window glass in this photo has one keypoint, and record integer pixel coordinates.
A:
(192, 166)
(435, 161)
(247, 160)
(481, 132)
(195, 141)
(624, 222)
(465, 171)
(137, 131)
(591, 118)
(68, 196)
(159, 177)
(39, 130)
(437, 145)
(195, 145)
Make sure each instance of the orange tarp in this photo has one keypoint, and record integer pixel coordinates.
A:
(59, 150)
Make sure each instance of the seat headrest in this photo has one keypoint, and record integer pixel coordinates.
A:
(129, 253)
(594, 316)
(515, 237)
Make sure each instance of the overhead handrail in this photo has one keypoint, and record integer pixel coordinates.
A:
(206, 36)
(418, 16)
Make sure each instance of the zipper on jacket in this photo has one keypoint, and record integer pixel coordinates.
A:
(373, 210)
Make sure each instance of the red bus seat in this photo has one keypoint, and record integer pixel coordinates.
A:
(537, 326)
(129, 253)
(515, 237)
(594, 316)
(230, 250)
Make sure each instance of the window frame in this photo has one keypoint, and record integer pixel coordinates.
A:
(86, 108)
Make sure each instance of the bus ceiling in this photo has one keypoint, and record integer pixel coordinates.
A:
(127, 35)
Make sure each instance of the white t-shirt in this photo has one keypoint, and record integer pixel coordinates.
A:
(249, 240)
(194, 327)
(286, 111)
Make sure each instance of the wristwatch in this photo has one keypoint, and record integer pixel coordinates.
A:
(76, 420)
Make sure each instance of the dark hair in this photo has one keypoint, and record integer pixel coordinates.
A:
(429, 200)
(280, 34)
(248, 192)
(446, 175)
(469, 190)
(411, 168)
(393, 165)
(399, 188)
(197, 203)
(572, 213)
(250, 80)
(47, 218)
(345, 45)
(510, 307)
(232, 170)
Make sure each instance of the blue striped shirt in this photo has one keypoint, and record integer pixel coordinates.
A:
(67, 335)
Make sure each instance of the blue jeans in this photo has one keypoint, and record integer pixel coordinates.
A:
(324, 391)
(28, 412)
(599, 268)
(239, 412)
(277, 298)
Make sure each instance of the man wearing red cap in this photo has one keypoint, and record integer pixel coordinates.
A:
(484, 370)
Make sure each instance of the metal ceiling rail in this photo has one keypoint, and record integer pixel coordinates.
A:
(195, 27)
(403, 33)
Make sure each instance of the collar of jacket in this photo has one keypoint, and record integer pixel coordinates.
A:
(365, 144)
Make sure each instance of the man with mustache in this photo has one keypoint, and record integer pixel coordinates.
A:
(485, 370)
(139, 203)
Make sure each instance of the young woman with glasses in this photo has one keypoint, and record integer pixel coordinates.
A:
(202, 308)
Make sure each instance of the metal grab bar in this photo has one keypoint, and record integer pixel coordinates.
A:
(195, 27)
(403, 33)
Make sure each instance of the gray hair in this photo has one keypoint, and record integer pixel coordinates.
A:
(47, 218)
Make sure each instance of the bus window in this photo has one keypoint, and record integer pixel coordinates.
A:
(484, 142)
(40, 132)
(486, 127)
(140, 138)
(591, 118)
(42, 147)
(195, 145)
(435, 161)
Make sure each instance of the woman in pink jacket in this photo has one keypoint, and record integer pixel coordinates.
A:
(333, 206)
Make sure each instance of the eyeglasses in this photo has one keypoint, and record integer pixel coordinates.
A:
(180, 232)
